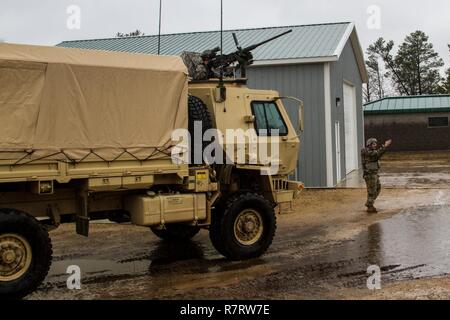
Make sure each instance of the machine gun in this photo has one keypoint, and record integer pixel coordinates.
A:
(243, 57)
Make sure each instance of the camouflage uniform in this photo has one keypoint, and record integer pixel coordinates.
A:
(194, 63)
(370, 162)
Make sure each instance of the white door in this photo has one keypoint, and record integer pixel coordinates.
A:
(351, 136)
(337, 135)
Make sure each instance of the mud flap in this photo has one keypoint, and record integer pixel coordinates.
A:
(82, 225)
(82, 216)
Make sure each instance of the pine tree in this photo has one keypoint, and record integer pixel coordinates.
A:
(414, 70)
(445, 87)
(418, 65)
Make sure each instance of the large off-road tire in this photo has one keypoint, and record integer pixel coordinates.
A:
(25, 254)
(198, 112)
(244, 228)
(176, 232)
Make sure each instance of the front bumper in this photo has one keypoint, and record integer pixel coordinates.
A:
(293, 191)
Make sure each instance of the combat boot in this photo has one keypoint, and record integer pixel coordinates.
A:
(372, 210)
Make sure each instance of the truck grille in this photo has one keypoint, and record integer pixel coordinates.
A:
(280, 184)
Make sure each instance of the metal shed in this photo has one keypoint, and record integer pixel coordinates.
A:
(322, 64)
(415, 123)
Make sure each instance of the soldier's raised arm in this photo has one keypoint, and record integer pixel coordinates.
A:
(382, 150)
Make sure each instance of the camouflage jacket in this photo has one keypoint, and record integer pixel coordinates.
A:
(370, 159)
(194, 63)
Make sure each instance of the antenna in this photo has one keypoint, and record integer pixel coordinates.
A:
(221, 26)
(159, 30)
(221, 86)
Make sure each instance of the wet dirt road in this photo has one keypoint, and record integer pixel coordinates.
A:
(321, 251)
(417, 170)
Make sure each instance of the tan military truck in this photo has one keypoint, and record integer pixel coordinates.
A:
(88, 135)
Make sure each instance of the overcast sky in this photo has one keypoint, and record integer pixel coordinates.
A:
(45, 21)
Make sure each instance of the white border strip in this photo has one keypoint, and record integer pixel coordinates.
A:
(294, 61)
(328, 134)
(344, 40)
(359, 53)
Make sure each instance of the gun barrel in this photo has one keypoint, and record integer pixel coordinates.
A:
(235, 40)
(253, 47)
(244, 57)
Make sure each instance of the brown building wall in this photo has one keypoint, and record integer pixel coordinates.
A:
(409, 131)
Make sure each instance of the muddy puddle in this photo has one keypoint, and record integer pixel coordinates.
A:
(413, 244)
(418, 239)
(95, 269)
(163, 258)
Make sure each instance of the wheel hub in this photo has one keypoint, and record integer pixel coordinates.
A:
(248, 227)
(9, 256)
(15, 256)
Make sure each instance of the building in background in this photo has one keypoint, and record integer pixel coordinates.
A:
(418, 123)
(321, 64)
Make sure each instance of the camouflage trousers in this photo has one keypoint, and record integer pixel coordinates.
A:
(373, 188)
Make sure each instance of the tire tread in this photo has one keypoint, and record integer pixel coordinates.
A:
(27, 225)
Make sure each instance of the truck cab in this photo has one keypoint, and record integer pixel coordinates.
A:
(237, 109)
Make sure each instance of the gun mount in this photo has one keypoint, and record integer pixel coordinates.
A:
(242, 56)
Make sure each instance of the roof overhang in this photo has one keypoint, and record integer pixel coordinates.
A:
(407, 111)
(263, 63)
(350, 34)
(359, 55)
(422, 104)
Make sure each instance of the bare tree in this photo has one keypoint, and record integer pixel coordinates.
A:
(374, 89)
(136, 33)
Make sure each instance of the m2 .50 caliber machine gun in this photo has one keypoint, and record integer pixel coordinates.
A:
(242, 56)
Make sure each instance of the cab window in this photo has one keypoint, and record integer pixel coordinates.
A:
(268, 117)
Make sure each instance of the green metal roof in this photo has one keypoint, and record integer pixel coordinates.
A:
(411, 104)
(306, 41)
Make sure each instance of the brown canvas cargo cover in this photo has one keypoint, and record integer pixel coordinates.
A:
(59, 101)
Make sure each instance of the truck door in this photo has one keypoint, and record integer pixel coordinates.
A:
(274, 131)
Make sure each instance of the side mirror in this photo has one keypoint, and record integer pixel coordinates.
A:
(301, 116)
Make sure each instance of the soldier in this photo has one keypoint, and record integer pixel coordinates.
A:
(196, 65)
(370, 161)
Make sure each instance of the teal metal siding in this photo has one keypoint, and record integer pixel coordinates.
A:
(413, 104)
(321, 40)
